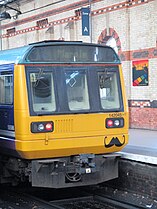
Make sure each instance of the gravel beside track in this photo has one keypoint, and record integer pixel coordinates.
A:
(98, 197)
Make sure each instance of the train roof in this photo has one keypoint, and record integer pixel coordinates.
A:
(49, 51)
(12, 55)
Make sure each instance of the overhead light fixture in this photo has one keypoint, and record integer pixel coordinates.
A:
(5, 15)
(17, 10)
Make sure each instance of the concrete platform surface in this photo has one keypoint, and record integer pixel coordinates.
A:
(142, 146)
(143, 138)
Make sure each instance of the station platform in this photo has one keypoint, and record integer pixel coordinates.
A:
(142, 146)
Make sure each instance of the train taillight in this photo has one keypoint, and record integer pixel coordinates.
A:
(49, 126)
(42, 127)
(114, 122)
(109, 123)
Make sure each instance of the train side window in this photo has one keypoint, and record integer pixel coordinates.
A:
(77, 90)
(42, 90)
(6, 88)
(108, 89)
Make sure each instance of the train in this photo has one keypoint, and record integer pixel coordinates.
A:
(63, 114)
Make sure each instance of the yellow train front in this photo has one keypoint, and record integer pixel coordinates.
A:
(63, 114)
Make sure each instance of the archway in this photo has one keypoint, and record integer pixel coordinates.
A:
(110, 37)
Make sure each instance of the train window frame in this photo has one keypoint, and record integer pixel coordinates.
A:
(3, 96)
(61, 97)
(75, 105)
(115, 70)
(94, 54)
(29, 70)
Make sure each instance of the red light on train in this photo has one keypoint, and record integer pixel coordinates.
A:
(114, 122)
(48, 126)
(109, 123)
(42, 127)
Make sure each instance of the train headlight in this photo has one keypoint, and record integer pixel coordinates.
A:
(114, 122)
(42, 127)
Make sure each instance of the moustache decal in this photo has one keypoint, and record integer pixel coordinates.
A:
(114, 141)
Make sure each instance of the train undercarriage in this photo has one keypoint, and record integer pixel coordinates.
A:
(72, 171)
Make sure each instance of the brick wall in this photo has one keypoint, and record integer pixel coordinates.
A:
(136, 177)
(143, 114)
(143, 118)
(132, 24)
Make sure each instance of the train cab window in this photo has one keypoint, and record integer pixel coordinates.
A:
(108, 88)
(6, 88)
(77, 90)
(42, 91)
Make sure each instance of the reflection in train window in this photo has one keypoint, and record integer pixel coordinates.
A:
(108, 88)
(6, 89)
(77, 90)
(42, 90)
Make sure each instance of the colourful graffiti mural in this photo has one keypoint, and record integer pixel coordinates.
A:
(140, 72)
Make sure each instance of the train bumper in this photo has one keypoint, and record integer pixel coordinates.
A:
(80, 170)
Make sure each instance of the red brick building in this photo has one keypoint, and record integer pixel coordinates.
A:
(128, 26)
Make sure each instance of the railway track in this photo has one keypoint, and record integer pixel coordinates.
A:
(93, 202)
(12, 198)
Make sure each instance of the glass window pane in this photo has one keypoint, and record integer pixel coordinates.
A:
(72, 53)
(77, 90)
(42, 90)
(6, 89)
(108, 87)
